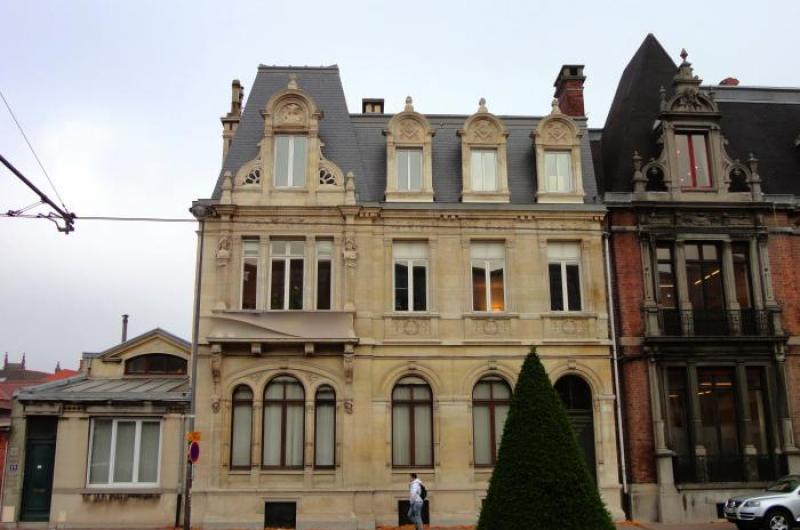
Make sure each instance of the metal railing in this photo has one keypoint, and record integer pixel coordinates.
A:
(728, 468)
(715, 322)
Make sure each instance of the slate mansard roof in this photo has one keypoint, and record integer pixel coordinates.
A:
(762, 121)
(355, 142)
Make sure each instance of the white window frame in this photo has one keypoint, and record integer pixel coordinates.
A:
(570, 177)
(286, 258)
(290, 162)
(481, 152)
(329, 259)
(486, 263)
(409, 263)
(563, 262)
(112, 453)
(257, 242)
(419, 150)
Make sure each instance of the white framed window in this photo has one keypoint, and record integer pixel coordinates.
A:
(483, 169)
(286, 274)
(558, 171)
(409, 169)
(410, 276)
(488, 276)
(124, 452)
(324, 274)
(290, 160)
(250, 258)
(564, 270)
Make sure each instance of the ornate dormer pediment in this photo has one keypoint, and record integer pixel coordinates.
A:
(693, 163)
(484, 167)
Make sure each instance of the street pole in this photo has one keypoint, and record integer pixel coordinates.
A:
(201, 212)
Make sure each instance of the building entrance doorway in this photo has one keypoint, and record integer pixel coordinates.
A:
(577, 399)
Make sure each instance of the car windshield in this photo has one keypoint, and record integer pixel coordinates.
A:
(784, 485)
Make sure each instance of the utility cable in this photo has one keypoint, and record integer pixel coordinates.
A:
(30, 146)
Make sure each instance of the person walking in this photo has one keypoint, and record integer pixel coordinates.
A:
(415, 501)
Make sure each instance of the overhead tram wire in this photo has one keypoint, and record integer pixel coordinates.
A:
(104, 218)
(30, 146)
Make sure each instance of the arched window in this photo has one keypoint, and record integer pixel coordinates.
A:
(325, 427)
(490, 401)
(156, 363)
(412, 423)
(241, 426)
(284, 425)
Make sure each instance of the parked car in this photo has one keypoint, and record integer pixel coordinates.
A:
(776, 508)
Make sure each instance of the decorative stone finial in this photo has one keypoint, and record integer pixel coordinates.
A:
(292, 81)
(409, 104)
(556, 109)
(482, 105)
(684, 54)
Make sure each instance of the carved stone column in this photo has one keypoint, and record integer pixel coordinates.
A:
(766, 276)
(729, 286)
(683, 288)
(755, 268)
(746, 423)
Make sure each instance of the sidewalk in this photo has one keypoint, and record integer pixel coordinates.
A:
(633, 525)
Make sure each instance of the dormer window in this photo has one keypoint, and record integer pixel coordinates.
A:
(691, 151)
(558, 171)
(557, 140)
(409, 169)
(291, 153)
(409, 148)
(156, 364)
(483, 158)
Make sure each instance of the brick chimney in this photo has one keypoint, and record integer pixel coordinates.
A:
(230, 122)
(569, 89)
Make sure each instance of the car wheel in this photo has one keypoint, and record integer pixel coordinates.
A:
(778, 519)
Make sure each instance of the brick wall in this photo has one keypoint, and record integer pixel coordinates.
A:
(628, 297)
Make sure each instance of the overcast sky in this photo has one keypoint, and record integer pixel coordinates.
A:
(122, 102)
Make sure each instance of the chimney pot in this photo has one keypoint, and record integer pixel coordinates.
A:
(569, 89)
(124, 328)
(230, 122)
(372, 106)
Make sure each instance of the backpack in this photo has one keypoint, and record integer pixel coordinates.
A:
(423, 493)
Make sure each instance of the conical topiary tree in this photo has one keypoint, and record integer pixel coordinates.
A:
(540, 480)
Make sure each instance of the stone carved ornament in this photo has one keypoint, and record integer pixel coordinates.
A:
(350, 252)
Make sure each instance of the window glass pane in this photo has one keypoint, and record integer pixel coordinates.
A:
(667, 291)
(400, 286)
(476, 170)
(500, 414)
(410, 250)
(279, 248)
(123, 454)
(278, 277)
(148, 451)
(478, 287)
(501, 390)
(682, 155)
(718, 412)
(421, 392)
(296, 248)
(402, 169)
(249, 274)
(401, 429)
(272, 435)
(498, 294)
(420, 287)
(574, 287)
(564, 172)
(299, 161)
(556, 290)
(324, 433)
(294, 434)
(741, 274)
(415, 169)
(296, 284)
(489, 170)
(242, 432)
(422, 436)
(101, 452)
(294, 390)
(692, 251)
(324, 284)
(676, 411)
(324, 248)
(702, 173)
(482, 390)
(482, 434)
(757, 405)
(401, 391)
(281, 161)
(558, 171)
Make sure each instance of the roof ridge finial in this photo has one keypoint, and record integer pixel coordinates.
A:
(556, 109)
(482, 105)
(292, 81)
(684, 54)
(409, 104)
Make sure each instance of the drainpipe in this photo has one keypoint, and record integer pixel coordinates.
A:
(200, 212)
(615, 363)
